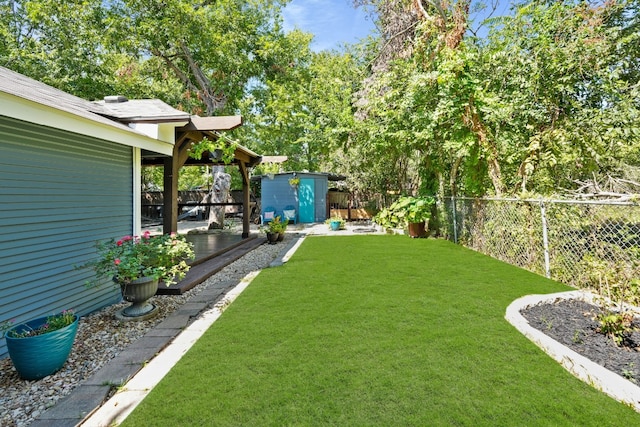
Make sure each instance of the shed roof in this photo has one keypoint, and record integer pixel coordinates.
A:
(328, 175)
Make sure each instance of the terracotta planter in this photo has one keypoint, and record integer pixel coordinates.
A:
(417, 230)
(41, 355)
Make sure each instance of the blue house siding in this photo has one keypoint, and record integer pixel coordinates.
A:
(59, 193)
(278, 193)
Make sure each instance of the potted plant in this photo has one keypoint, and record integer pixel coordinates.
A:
(40, 347)
(275, 230)
(137, 264)
(335, 223)
(294, 182)
(412, 213)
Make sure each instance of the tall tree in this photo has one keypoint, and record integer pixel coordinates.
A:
(215, 48)
(550, 97)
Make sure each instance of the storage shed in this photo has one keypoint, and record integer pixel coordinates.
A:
(304, 191)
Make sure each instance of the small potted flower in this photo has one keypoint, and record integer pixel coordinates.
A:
(40, 347)
(335, 223)
(137, 264)
(294, 182)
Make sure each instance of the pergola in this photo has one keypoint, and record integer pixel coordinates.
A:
(159, 120)
(193, 132)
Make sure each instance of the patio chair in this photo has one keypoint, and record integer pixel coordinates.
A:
(289, 213)
(268, 215)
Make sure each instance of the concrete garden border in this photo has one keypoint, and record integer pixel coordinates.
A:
(590, 372)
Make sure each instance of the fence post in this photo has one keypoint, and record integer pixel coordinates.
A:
(545, 239)
(455, 222)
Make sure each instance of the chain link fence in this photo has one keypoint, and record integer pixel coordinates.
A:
(583, 244)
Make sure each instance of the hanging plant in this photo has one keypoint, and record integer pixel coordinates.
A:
(220, 150)
(294, 182)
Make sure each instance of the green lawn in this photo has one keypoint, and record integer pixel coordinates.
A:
(376, 331)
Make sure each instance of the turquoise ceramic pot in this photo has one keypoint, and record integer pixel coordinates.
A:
(36, 357)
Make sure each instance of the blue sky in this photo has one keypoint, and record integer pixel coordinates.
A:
(332, 22)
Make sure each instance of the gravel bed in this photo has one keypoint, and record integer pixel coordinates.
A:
(100, 338)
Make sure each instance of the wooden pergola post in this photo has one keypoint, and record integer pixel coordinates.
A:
(246, 200)
(172, 167)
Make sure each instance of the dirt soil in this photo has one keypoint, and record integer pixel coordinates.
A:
(573, 323)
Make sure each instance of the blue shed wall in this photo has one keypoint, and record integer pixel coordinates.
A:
(59, 193)
(278, 193)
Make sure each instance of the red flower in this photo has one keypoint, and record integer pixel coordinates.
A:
(119, 243)
(116, 261)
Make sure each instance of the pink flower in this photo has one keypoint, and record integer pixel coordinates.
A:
(146, 234)
(116, 261)
(126, 238)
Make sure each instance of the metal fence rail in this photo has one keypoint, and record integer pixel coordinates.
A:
(583, 244)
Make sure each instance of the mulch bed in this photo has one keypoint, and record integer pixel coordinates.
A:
(573, 323)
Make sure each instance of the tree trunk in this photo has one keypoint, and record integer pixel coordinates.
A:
(472, 119)
(219, 194)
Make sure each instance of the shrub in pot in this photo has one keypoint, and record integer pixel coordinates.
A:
(276, 229)
(411, 213)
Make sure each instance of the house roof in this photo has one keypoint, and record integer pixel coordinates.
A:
(26, 88)
(31, 101)
(115, 112)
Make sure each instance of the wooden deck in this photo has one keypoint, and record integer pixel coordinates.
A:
(213, 253)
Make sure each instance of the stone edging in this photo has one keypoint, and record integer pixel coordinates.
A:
(590, 372)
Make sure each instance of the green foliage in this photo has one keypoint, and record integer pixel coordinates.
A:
(615, 325)
(405, 210)
(547, 98)
(294, 182)
(53, 323)
(277, 225)
(226, 151)
(305, 112)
